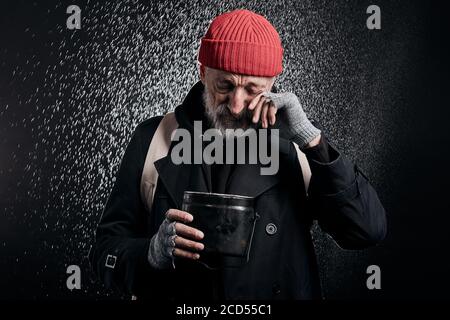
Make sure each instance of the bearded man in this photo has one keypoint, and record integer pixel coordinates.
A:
(153, 252)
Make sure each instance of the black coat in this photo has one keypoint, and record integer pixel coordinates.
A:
(282, 265)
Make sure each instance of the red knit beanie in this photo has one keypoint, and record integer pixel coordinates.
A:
(242, 42)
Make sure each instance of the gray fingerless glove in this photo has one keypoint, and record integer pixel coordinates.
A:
(160, 252)
(291, 119)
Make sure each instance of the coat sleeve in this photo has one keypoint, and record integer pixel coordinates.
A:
(344, 202)
(119, 254)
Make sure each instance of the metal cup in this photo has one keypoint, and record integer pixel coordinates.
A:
(227, 221)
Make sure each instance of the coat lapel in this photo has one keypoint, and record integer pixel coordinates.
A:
(246, 180)
(180, 178)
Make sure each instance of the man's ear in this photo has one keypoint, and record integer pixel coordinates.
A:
(202, 73)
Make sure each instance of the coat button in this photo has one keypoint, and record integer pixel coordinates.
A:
(111, 261)
(271, 228)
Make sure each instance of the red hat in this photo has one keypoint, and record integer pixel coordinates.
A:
(242, 42)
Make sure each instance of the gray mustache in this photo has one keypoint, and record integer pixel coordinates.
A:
(224, 110)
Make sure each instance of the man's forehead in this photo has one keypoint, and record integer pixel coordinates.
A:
(240, 78)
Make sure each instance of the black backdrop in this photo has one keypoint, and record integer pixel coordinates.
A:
(69, 100)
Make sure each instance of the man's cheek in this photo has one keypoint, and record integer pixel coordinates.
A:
(221, 99)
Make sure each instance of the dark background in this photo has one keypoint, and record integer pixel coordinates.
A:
(70, 99)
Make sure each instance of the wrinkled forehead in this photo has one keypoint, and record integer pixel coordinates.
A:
(238, 79)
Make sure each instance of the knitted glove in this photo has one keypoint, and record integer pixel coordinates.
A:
(291, 119)
(162, 244)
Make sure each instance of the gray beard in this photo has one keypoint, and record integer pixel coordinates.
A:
(222, 119)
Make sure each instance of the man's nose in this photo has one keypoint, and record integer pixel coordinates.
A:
(238, 101)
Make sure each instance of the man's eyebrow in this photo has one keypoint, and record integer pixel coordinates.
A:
(227, 81)
(252, 84)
